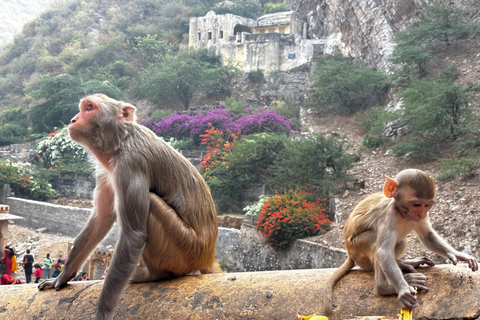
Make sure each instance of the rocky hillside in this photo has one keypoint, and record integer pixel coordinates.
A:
(365, 28)
(455, 215)
(15, 14)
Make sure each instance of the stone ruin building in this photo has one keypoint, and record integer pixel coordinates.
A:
(273, 42)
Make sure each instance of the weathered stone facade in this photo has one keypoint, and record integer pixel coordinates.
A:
(273, 42)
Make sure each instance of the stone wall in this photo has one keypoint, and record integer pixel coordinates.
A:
(234, 39)
(64, 220)
(75, 187)
(237, 250)
(243, 250)
(20, 152)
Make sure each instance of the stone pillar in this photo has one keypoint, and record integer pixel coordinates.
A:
(4, 210)
(4, 192)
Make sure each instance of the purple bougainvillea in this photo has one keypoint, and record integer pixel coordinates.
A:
(264, 121)
(180, 126)
(221, 119)
(176, 126)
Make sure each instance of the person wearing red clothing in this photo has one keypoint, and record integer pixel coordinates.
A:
(7, 279)
(8, 260)
(38, 272)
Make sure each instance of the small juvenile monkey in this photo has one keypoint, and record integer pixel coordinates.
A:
(375, 238)
(166, 215)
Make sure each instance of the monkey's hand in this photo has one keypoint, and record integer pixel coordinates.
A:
(57, 283)
(410, 265)
(456, 256)
(416, 280)
(407, 297)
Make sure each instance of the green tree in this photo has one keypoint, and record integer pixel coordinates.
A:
(416, 45)
(410, 53)
(434, 112)
(444, 23)
(150, 48)
(11, 133)
(98, 59)
(234, 169)
(118, 73)
(373, 124)
(341, 83)
(15, 49)
(244, 8)
(315, 160)
(59, 98)
(11, 84)
(220, 79)
(13, 125)
(177, 77)
(272, 7)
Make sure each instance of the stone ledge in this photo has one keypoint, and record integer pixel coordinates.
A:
(454, 294)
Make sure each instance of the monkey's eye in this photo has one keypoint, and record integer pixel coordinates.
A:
(89, 107)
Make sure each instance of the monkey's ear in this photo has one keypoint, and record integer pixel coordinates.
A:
(390, 188)
(127, 113)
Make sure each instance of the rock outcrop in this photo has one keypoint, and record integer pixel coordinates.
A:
(363, 29)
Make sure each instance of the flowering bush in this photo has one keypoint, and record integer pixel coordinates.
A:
(265, 121)
(59, 151)
(218, 146)
(293, 215)
(180, 126)
(174, 126)
(23, 180)
(256, 208)
(222, 119)
(230, 170)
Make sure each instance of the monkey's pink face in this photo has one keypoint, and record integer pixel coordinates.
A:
(418, 208)
(81, 124)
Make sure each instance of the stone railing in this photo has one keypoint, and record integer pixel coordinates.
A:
(454, 293)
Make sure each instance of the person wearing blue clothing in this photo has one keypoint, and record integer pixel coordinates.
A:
(47, 264)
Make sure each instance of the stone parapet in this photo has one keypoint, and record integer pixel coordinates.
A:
(454, 294)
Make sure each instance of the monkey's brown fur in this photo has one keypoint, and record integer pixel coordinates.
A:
(375, 238)
(164, 209)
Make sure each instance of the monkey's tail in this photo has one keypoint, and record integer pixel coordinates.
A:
(214, 268)
(328, 290)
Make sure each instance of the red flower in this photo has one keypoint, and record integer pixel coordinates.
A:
(293, 215)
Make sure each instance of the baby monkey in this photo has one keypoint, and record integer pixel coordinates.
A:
(375, 238)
